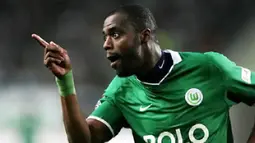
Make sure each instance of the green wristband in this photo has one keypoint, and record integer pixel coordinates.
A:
(65, 84)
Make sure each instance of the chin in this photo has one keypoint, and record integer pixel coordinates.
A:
(123, 74)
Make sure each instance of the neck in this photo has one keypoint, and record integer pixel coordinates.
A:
(152, 54)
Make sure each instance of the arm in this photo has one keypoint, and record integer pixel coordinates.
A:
(100, 126)
(238, 81)
(77, 128)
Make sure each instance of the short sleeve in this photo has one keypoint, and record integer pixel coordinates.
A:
(106, 110)
(238, 81)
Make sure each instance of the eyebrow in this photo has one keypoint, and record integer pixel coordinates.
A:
(114, 28)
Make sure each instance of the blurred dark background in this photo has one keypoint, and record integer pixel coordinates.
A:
(225, 26)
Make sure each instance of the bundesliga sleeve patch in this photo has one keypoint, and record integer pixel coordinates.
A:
(246, 75)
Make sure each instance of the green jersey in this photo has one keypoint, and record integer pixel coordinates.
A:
(190, 104)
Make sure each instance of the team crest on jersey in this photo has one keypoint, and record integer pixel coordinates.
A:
(194, 97)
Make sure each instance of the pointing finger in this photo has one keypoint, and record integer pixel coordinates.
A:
(40, 40)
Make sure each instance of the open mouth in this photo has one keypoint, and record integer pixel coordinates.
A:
(113, 58)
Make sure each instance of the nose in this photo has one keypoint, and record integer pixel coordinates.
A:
(108, 43)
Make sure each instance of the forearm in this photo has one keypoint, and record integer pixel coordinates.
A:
(58, 62)
(76, 127)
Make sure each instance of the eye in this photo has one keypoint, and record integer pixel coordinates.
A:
(115, 35)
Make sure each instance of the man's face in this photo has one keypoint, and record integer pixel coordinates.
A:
(122, 45)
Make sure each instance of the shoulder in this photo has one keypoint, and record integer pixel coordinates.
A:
(194, 59)
(113, 89)
(218, 58)
(205, 58)
(207, 62)
(116, 86)
(220, 61)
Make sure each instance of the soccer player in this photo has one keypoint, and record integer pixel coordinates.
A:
(163, 96)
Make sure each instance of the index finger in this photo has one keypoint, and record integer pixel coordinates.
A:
(40, 40)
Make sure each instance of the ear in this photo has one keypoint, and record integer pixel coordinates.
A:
(145, 35)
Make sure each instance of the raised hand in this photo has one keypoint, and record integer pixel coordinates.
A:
(56, 58)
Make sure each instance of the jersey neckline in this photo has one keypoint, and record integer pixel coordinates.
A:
(162, 69)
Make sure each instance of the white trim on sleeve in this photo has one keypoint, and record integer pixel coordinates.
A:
(104, 122)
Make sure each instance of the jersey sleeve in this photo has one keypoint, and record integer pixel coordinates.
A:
(107, 112)
(238, 81)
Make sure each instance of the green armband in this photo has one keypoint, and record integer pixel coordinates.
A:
(65, 84)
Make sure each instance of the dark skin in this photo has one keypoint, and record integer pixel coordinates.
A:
(136, 53)
(252, 136)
